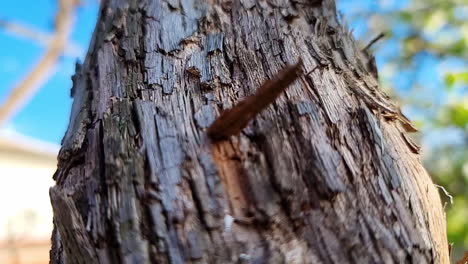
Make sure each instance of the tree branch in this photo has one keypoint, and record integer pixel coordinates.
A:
(374, 40)
(42, 38)
(232, 121)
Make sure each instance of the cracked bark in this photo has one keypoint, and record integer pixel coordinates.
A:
(316, 177)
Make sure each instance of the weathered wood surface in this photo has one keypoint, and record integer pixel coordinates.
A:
(314, 178)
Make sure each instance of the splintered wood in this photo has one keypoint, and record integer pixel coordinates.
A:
(366, 89)
(233, 120)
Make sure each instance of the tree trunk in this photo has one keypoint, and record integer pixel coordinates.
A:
(319, 176)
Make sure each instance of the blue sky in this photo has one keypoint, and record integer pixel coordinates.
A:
(45, 117)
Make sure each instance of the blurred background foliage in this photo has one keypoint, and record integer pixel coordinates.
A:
(423, 62)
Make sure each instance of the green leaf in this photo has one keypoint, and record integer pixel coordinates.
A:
(458, 115)
(449, 81)
(456, 78)
(458, 48)
(405, 16)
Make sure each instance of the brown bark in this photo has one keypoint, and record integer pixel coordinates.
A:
(316, 177)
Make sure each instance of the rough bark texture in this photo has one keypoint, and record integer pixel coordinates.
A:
(317, 177)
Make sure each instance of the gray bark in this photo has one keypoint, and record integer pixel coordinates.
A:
(317, 177)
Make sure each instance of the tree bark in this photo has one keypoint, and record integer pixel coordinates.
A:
(319, 176)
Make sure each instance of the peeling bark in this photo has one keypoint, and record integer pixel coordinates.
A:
(319, 176)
